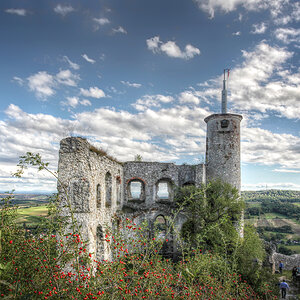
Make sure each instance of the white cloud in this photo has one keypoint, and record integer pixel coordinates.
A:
(120, 29)
(71, 64)
(188, 97)
(67, 78)
(63, 10)
(71, 101)
(94, 92)
(288, 35)
(148, 101)
(42, 84)
(161, 135)
(17, 11)
(237, 33)
(271, 185)
(259, 83)
(85, 102)
(210, 6)
(259, 28)
(131, 84)
(101, 21)
(171, 49)
(19, 80)
(267, 148)
(286, 171)
(153, 44)
(88, 59)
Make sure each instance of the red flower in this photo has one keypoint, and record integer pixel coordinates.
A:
(10, 242)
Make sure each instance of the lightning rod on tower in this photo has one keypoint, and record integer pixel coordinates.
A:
(224, 93)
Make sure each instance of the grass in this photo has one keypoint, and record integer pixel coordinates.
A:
(295, 248)
(32, 215)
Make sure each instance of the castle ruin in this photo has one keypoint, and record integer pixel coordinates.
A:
(99, 186)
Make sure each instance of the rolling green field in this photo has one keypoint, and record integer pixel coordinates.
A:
(32, 215)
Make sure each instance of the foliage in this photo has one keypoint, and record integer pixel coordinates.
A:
(281, 195)
(213, 212)
(55, 263)
(138, 157)
(276, 206)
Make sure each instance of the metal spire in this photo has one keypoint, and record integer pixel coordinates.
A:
(224, 93)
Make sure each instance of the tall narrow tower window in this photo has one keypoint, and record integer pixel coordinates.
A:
(108, 189)
(98, 196)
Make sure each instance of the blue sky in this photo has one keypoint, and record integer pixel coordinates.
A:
(139, 77)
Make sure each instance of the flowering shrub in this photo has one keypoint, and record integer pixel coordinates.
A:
(49, 267)
(53, 264)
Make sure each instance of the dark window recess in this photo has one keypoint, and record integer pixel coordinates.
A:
(224, 123)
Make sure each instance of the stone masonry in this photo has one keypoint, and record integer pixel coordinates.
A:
(99, 187)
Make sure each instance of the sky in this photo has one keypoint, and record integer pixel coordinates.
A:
(138, 77)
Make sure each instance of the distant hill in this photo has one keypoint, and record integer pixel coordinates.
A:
(281, 195)
(27, 199)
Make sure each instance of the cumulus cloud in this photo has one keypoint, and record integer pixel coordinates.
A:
(71, 64)
(262, 83)
(84, 56)
(188, 97)
(17, 11)
(288, 35)
(42, 84)
(276, 7)
(162, 134)
(93, 92)
(74, 102)
(71, 101)
(63, 9)
(259, 28)
(120, 29)
(131, 84)
(171, 49)
(67, 78)
(148, 101)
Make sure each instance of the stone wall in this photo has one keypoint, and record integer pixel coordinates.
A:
(289, 261)
(93, 183)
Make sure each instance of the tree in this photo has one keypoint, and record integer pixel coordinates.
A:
(138, 157)
(212, 215)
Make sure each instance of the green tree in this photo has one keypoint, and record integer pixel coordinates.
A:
(138, 157)
(213, 212)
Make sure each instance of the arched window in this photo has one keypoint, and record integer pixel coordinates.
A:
(98, 196)
(164, 190)
(136, 190)
(100, 243)
(108, 189)
(118, 190)
(160, 226)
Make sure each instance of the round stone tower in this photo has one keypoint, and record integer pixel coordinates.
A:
(223, 145)
(223, 148)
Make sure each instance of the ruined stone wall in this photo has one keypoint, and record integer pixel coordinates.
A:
(156, 184)
(289, 261)
(94, 185)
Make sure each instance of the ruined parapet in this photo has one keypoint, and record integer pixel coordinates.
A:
(289, 261)
(223, 148)
(92, 183)
(150, 183)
